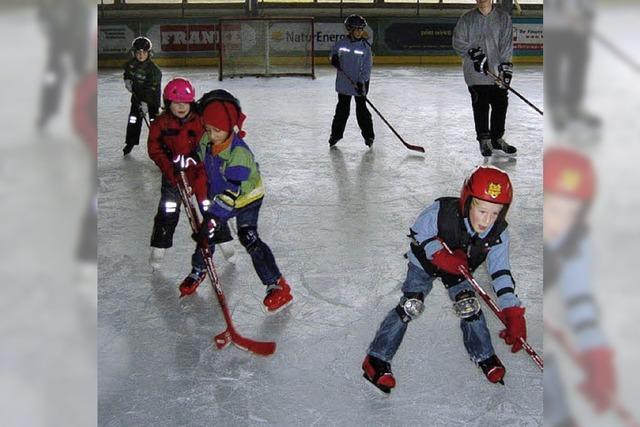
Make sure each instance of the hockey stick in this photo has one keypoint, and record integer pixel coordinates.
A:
(409, 146)
(562, 339)
(616, 51)
(229, 336)
(492, 305)
(499, 80)
(144, 116)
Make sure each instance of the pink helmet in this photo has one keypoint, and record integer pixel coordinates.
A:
(179, 90)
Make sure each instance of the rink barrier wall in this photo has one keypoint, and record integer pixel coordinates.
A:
(186, 61)
(395, 40)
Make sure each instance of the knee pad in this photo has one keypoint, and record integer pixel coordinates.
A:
(411, 306)
(467, 306)
(248, 237)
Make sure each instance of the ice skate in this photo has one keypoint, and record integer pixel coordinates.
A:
(278, 296)
(493, 369)
(228, 251)
(127, 149)
(378, 373)
(333, 141)
(485, 148)
(190, 284)
(156, 257)
(501, 147)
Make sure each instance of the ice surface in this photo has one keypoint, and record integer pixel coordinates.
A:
(336, 222)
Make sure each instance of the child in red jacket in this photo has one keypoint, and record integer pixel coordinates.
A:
(174, 132)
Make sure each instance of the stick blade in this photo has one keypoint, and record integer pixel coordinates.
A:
(262, 348)
(415, 148)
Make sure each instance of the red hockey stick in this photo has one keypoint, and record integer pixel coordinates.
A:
(229, 336)
(409, 146)
(562, 339)
(492, 305)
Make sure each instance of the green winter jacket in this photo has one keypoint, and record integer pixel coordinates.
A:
(233, 176)
(146, 79)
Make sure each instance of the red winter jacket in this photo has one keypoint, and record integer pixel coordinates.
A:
(168, 137)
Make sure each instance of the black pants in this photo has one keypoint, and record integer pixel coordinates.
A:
(565, 65)
(483, 97)
(342, 114)
(167, 216)
(135, 123)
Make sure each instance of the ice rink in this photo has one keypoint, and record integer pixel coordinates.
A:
(337, 222)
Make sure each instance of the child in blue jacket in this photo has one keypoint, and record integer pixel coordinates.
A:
(352, 57)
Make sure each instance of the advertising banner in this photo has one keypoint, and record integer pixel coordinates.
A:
(419, 36)
(115, 39)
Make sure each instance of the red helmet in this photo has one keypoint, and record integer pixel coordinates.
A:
(179, 90)
(487, 183)
(569, 173)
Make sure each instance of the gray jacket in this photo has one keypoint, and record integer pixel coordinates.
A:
(355, 60)
(493, 33)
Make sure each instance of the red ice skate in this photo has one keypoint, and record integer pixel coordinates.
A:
(493, 369)
(378, 373)
(192, 281)
(278, 296)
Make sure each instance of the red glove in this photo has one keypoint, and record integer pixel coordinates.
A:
(600, 383)
(450, 263)
(513, 317)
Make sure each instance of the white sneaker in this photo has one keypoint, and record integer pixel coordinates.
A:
(156, 257)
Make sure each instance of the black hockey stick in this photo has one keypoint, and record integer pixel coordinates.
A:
(138, 103)
(616, 51)
(562, 339)
(409, 146)
(229, 335)
(499, 80)
(496, 310)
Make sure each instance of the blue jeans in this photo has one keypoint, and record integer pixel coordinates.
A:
(475, 333)
(263, 260)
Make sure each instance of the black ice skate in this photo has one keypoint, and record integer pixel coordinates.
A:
(493, 369)
(378, 373)
(368, 142)
(485, 147)
(127, 149)
(333, 141)
(500, 146)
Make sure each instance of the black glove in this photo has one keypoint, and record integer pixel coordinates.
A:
(505, 73)
(335, 61)
(360, 88)
(479, 60)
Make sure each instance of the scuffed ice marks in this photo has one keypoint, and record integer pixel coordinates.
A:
(337, 223)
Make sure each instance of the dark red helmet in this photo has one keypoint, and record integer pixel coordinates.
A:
(487, 183)
(569, 173)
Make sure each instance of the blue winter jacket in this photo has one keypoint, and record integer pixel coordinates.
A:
(355, 60)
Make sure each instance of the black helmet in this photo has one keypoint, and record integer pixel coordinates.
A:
(141, 43)
(355, 22)
(219, 95)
